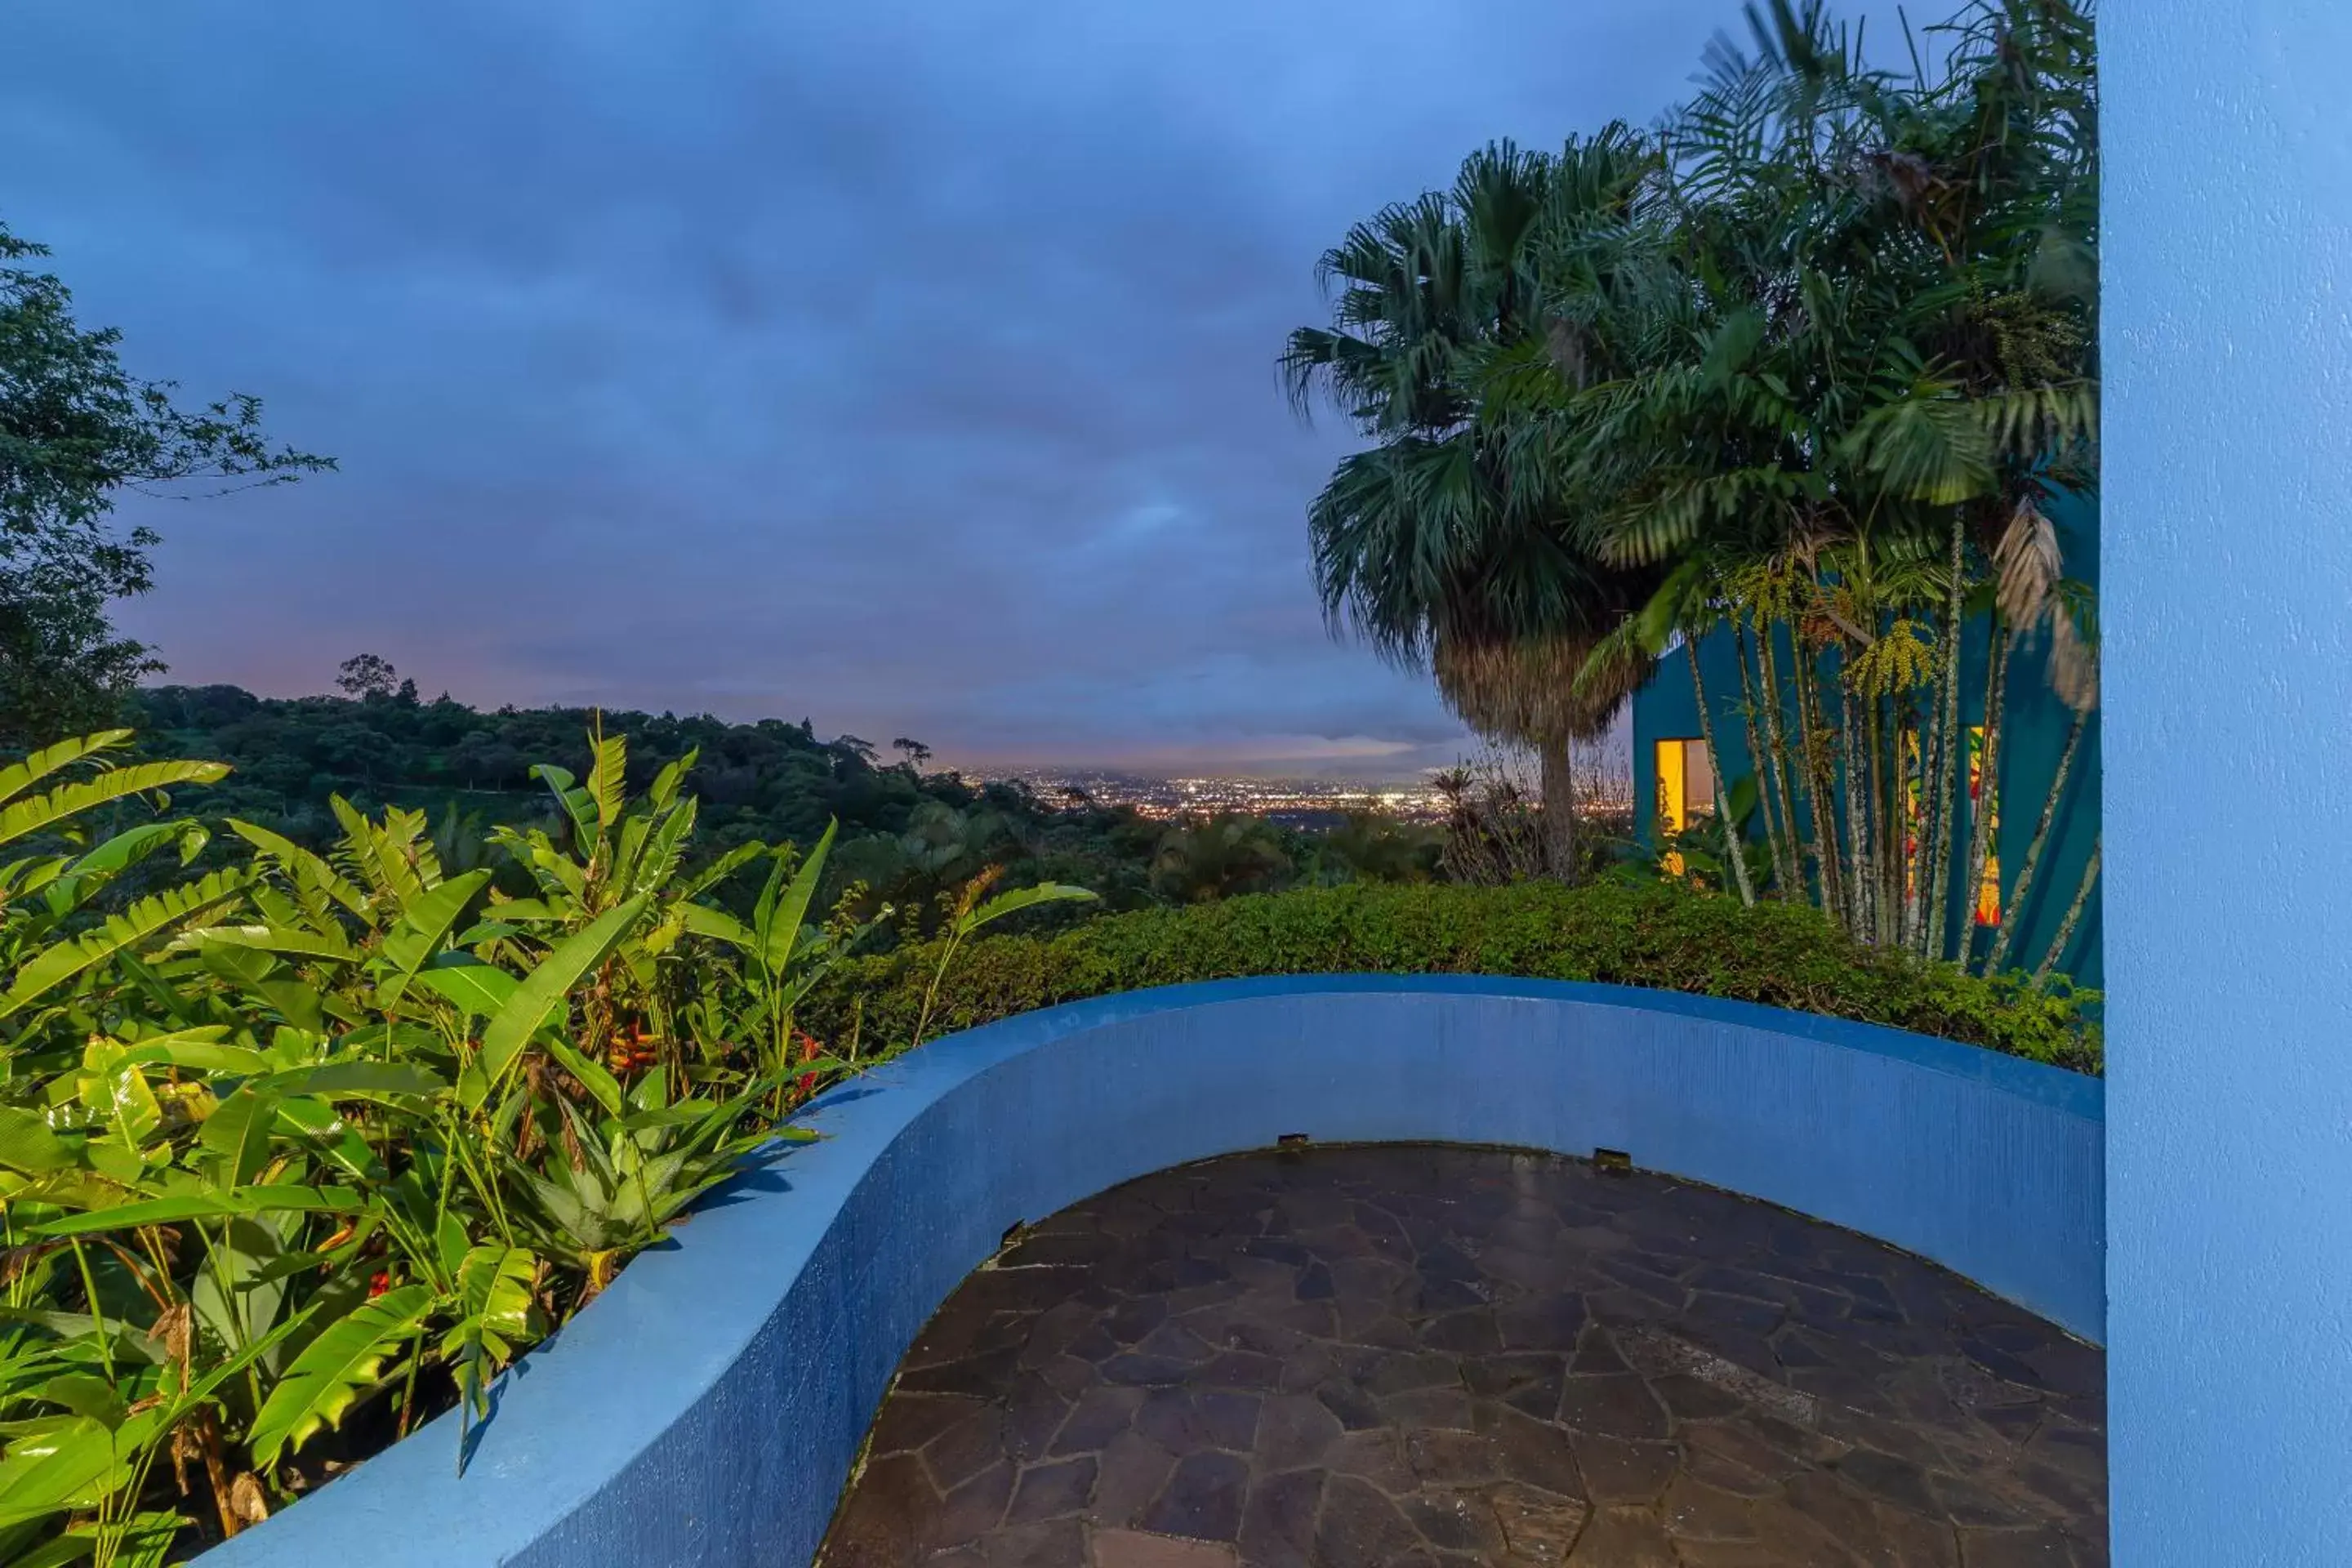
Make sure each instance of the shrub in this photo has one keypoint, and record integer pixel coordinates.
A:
(298, 1150)
(1661, 936)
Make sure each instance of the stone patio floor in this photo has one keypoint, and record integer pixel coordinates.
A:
(1421, 1355)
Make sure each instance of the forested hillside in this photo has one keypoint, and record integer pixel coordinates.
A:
(909, 835)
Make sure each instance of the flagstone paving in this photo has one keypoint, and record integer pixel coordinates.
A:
(1408, 1355)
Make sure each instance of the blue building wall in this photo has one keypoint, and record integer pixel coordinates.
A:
(2033, 734)
(2227, 248)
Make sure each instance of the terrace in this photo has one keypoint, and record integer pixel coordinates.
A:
(1001, 1313)
(1427, 1354)
(1366, 1269)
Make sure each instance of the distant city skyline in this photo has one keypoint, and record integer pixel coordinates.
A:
(1603, 768)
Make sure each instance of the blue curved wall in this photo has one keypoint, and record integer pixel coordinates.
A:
(707, 1408)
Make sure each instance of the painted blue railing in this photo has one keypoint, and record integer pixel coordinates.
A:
(706, 1410)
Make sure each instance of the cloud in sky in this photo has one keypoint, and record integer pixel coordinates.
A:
(909, 367)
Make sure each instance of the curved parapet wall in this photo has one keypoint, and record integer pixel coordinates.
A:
(706, 1410)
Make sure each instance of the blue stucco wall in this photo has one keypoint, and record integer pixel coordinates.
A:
(2227, 246)
(707, 1408)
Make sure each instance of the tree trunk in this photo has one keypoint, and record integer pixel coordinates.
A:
(2073, 918)
(1986, 805)
(1900, 842)
(1820, 785)
(1939, 845)
(1781, 767)
(1731, 844)
(1558, 808)
(1922, 736)
(1916, 879)
(1857, 820)
(2024, 887)
(1882, 838)
(1764, 797)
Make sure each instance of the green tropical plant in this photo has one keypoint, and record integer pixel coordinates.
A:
(1218, 856)
(299, 1150)
(972, 913)
(1371, 847)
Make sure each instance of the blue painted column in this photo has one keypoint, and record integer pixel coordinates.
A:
(2228, 623)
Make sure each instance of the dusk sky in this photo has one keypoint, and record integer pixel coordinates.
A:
(908, 366)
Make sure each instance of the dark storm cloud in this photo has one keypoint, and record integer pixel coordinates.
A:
(908, 368)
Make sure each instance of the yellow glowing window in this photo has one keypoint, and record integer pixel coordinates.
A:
(1685, 789)
(1686, 784)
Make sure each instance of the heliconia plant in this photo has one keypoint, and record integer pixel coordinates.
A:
(302, 1149)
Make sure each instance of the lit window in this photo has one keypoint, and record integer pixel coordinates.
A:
(1686, 784)
(1685, 789)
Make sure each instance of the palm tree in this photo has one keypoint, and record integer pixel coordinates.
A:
(1217, 858)
(1853, 351)
(1434, 543)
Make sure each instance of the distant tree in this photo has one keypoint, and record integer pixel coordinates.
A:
(77, 429)
(1366, 847)
(862, 750)
(915, 752)
(364, 675)
(1220, 857)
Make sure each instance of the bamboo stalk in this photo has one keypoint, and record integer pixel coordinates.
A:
(1901, 840)
(1759, 761)
(1955, 751)
(2073, 918)
(1985, 807)
(1857, 820)
(1876, 741)
(1776, 744)
(2024, 887)
(1918, 889)
(1731, 844)
(1778, 770)
(1821, 784)
(1937, 877)
(1914, 882)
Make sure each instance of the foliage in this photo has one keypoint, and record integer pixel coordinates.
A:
(1219, 857)
(1815, 356)
(1431, 546)
(368, 675)
(76, 429)
(1661, 935)
(298, 1149)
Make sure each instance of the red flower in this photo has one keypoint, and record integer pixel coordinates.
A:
(380, 1284)
(809, 1049)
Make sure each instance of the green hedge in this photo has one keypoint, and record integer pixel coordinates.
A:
(1661, 936)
